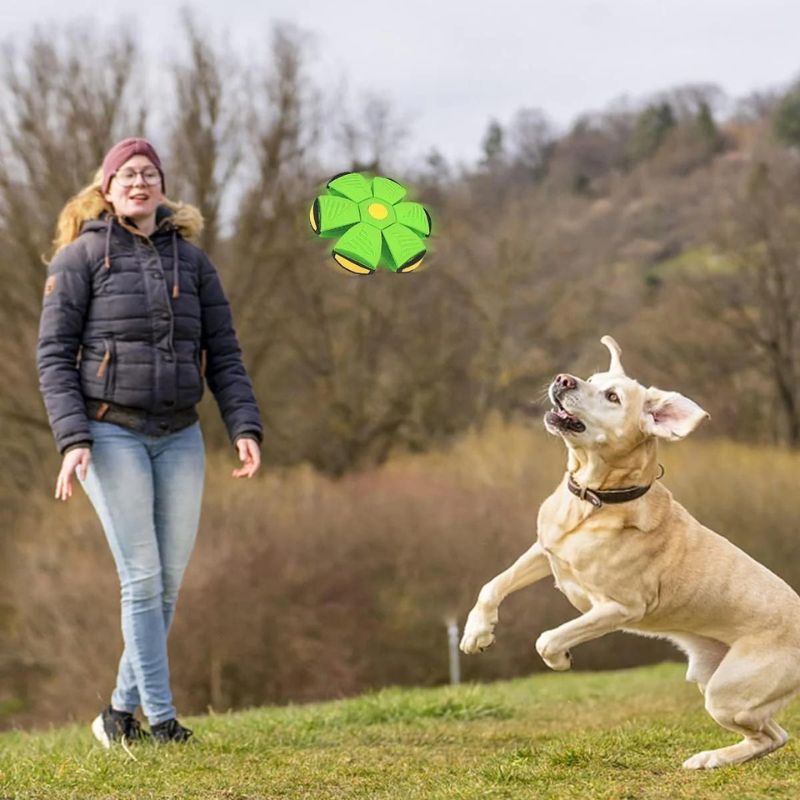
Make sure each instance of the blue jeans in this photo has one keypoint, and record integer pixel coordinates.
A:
(147, 492)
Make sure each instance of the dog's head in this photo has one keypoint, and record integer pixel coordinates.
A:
(615, 413)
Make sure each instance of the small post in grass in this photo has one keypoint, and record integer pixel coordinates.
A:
(452, 640)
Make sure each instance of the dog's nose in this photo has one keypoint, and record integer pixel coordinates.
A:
(565, 382)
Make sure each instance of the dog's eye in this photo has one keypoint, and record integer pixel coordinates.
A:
(612, 397)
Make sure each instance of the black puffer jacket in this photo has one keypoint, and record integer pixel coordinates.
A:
(129, 325)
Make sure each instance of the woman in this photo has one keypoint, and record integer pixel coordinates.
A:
(134, 317)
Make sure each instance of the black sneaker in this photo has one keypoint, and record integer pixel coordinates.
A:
(117, 726)
(170, 731)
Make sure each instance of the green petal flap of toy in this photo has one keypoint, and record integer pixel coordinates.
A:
(388, 190)
(374, 228)
(352, 185)
(414, 216)
(361, 245)
(338, 214)
(405, 248)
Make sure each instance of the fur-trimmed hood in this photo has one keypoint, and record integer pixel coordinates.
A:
(174, 219)
(185, 218)
(89, 205)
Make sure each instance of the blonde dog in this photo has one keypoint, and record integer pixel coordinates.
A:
(629, 557)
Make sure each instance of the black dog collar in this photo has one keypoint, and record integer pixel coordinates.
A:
(599, 497)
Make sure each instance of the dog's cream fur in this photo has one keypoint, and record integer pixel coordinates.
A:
(647, 566)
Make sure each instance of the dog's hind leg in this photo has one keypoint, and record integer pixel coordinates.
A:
(754, 681)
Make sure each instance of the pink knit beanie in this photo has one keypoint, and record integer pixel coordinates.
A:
(122, 151)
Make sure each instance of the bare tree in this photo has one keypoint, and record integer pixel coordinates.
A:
(757, 295)
(533, 137)
(372, 135)
(63, 101)
(688, 99)
(280, 167)
(207, 127)
(756, 106)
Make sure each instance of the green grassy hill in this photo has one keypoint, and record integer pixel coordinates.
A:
(575, 735)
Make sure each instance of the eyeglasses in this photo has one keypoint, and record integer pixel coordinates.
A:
(127, 177)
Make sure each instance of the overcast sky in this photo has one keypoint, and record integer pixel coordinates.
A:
(448, 67)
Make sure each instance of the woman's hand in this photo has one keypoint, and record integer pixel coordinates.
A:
(249, 455)
(79, 459)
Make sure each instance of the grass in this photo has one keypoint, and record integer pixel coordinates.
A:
(620, 735)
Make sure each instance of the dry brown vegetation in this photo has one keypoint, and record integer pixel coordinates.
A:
(306, 587)
(652, 221)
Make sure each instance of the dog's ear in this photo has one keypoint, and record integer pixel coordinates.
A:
(616, 356)
(670, 415)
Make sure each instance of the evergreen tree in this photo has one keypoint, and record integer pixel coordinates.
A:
(786, 121)
(707, 129)
(652, 126)
(493, 144)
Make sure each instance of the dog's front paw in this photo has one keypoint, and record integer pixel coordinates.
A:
(478, 632)
(559, 660)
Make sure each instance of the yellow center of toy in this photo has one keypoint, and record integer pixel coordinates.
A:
(378, 211)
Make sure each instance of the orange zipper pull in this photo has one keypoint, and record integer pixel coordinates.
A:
(103, 364)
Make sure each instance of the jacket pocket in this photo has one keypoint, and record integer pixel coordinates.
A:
(200, 361)
(107, 368)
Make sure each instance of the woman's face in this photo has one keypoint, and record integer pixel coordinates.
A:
(135, 189)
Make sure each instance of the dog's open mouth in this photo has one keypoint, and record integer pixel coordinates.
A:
(562, 420)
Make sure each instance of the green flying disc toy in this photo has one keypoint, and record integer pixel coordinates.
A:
(372, 224)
